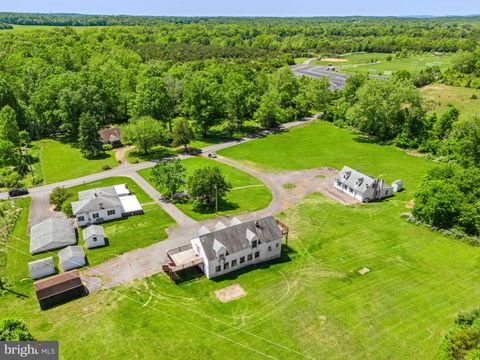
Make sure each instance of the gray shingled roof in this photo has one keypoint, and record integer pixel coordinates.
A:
(234, 238)
(40, 265)
(50, 234)
(96, 199)
(71, 252)
(92, 193)
(355, 179)
(93, 230)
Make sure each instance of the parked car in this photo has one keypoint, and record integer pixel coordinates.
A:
(17, 192)
(212, 155)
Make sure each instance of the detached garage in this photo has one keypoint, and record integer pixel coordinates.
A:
(41, 268)
(59, 289)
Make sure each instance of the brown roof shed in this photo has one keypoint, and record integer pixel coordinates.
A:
(59, 289)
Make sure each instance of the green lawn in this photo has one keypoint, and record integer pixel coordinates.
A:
(376, 63)
(310, 303)
(60, 161)
(440, 97)
(247, 194)
(323, 144)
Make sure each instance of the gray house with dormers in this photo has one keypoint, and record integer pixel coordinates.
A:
(362, 187)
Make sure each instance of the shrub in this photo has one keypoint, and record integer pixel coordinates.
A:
(106, 167)
(15, 330)
(58, 196)
(474, 97)
(67, 208)
(107, 147)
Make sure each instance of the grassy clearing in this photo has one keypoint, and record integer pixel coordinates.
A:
(440, 97)
(247, 194)
(60, 161)
(310, 303)
(376, 63)
(289, 186)
(322, 144)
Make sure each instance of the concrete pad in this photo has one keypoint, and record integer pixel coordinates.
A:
(230, 293)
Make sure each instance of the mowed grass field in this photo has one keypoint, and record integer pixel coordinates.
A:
(323, 144)
(311, 303)
(440, 97)
(247, 194)
(377, 64)
(60, 161)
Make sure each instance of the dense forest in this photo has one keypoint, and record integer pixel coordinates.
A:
(231, 76)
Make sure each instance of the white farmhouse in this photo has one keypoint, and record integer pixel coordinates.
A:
(94, 236)
(71, 257)
(41, 268)
(230, 248)
(360, 186)
(104, 204)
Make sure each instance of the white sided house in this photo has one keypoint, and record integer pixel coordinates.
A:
(362, 187)
(104, 204)
(229, 248)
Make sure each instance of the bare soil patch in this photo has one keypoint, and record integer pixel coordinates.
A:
(410, 204)
(334, 60)
(230, 293)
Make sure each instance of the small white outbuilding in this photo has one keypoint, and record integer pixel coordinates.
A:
(94, 236)
(41, 268)
(71, 257)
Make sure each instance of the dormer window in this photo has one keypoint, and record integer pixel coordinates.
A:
(359, 182)
(251, 238)
(219, 249)
(346, 174)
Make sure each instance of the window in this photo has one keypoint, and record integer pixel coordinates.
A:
(218, 268)
(257, 254)
(234, 262)
(276, 245)
(254, 243)
(111, 212)
(242, 259)
(95, 215)
(81, 218)
(269, 248)
(249, 257)
(94, 238)
(226, 266)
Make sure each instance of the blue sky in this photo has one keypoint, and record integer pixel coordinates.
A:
(247, 7)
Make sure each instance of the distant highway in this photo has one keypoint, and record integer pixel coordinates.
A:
(337, 80)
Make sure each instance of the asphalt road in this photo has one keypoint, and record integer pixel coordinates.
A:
(337, 80)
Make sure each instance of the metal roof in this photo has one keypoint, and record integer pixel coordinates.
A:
(52, 233)
(93, 230)
(95, 204)
(57, 284)
(234, 238)
(42, 264)
(71, 252)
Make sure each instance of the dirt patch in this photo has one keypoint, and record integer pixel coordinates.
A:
(415, 153)
(410, 204)
(230, 293)
(338, 60)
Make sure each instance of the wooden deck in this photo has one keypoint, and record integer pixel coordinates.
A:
(181, 258)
